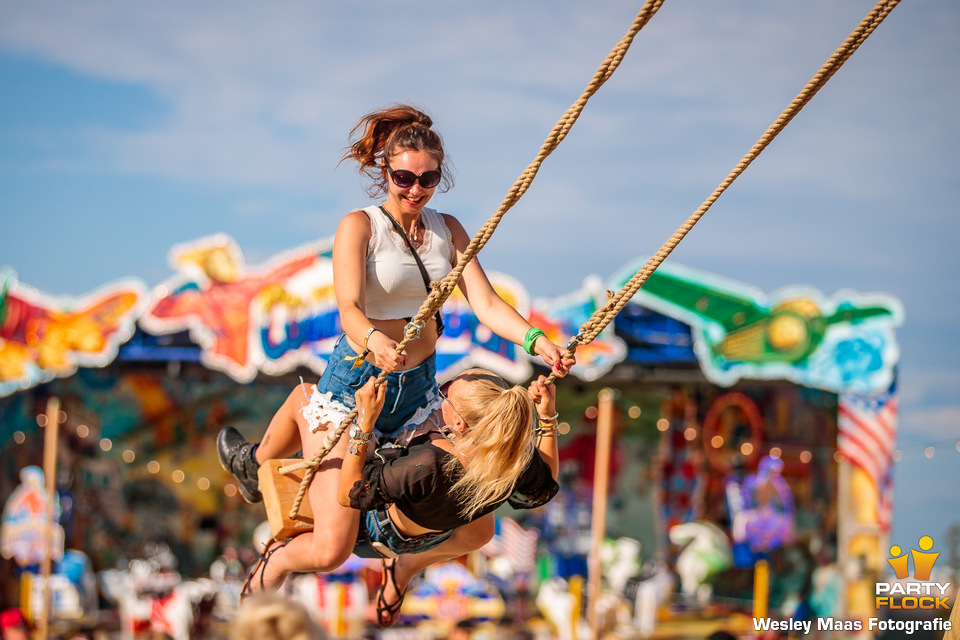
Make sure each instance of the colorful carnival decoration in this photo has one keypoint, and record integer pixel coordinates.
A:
(561, 318)
(283, 314)
(246, 319)
(449, 592)
(705, 551)
(44, 337)
(72, 586)
(724, 438)
(24, 533)
(844, 343)
(763, 513)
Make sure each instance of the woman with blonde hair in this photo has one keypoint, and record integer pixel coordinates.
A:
(432, 500)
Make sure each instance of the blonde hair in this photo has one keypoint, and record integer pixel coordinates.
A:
(270, 616)
(498, 440)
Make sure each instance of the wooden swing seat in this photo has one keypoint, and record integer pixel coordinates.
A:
(279, 492)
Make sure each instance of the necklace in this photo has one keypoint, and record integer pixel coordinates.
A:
(416, 237)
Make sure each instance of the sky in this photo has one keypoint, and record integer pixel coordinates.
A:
(126, 128)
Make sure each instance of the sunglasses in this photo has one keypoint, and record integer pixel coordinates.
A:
(444, 398)
(405, 179)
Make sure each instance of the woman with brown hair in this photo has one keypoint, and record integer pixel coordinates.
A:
(383, 259)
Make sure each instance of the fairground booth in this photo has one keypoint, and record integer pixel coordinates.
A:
(750, 428)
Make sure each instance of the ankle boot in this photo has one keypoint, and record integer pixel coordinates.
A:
(239, 457)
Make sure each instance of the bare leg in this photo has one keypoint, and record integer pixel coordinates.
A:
(282, 437)
(467, 538)
(332, 540)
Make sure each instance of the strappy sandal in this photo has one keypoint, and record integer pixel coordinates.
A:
(388, 614)
(271, 548)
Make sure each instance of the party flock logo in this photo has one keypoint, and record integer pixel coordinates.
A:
(919, 593)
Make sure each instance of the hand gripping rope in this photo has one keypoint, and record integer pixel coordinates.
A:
(592, 328)
(442, 290)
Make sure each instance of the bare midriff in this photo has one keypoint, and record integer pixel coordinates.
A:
(417, 351)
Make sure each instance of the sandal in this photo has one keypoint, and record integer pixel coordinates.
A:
(247, 589)
(388, 614)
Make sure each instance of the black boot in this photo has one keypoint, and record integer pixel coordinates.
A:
(239, 457)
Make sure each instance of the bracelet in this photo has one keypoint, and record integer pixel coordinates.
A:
(356, 445)
(551, 420)
(530, 339)
(546, 432)
(359, 360)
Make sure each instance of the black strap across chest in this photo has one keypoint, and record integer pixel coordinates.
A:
(420, 265)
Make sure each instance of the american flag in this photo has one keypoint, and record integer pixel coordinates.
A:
(517, 544)
(867, 436)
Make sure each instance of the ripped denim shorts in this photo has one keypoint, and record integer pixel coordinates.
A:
(412, 395)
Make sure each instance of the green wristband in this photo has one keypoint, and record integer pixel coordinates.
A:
(531, 339)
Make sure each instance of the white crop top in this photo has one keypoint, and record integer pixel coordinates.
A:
(394, 287)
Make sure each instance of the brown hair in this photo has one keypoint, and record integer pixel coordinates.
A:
(388, 132)
(498, 441)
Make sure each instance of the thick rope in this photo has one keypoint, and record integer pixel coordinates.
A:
(442, 290)
(590, 329)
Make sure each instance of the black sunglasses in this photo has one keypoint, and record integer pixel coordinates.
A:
(405, 179)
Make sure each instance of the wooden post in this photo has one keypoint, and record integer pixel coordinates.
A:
(50, 479)
(761, 589)
(601, 475)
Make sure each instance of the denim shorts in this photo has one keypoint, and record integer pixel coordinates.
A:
(412, 395)
(378, 538)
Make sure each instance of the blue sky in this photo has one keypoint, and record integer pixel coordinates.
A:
(126, 128)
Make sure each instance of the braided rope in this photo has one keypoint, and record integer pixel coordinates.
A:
(442, 290)
(590, 329)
